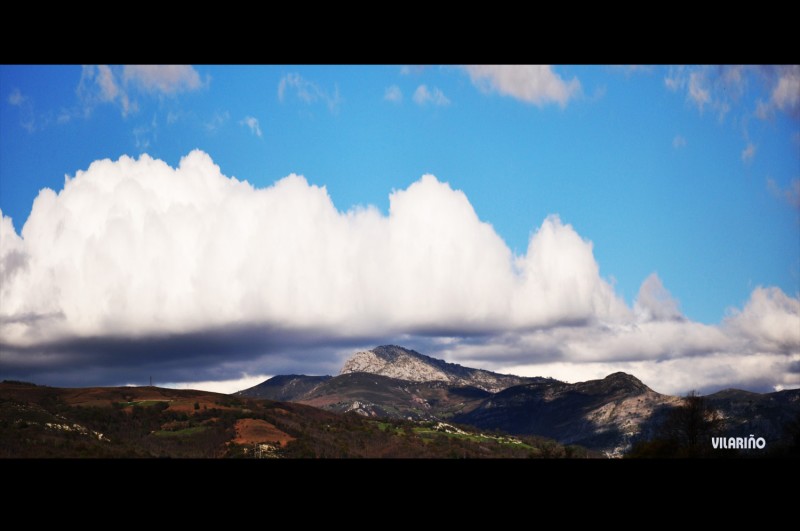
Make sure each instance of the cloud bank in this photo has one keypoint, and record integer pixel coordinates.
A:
(136, 266)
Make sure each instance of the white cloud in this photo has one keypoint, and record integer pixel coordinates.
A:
(408, 70)
(393, 94)
(748, 153)
(790, 194)
(105, 81)
(698, 92)
(675, 80)
(718, 88)
(134, 246)
(764, 111)
(423, 96)
(756, 347)
(654, 302)
(165, 79)
(121, 84)
(221, 386)
(136, 249)
(16, 98)
(434, 96)
(24, 106)
(722, 87)
(678, 142)
(252, 124)
(677, 376)
(786, 94)
(536, 84)
(770, 318)
(307, 91)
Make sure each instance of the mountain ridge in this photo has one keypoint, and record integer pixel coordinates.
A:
(406, 364)
(609, 414)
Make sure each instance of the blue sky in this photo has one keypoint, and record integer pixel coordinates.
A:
(688, 172)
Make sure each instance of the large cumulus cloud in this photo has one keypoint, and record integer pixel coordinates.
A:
(134, 252)
(136, 247)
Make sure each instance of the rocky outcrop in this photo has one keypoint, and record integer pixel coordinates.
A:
(607, 414)
(404, 364)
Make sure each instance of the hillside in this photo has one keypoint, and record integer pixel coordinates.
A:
(37, 421)
(607, 415)
(285, 387)
(765, 414)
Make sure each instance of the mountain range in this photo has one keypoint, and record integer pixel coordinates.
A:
(387, 402)
(607, 415)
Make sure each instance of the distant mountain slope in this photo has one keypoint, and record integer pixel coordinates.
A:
(289, 387)
(607, 415)
(763, 415)
(371, 395)
(375, 395)
(404, 364)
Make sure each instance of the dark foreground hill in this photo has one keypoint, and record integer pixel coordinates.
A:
(38, 421)
(607, 415)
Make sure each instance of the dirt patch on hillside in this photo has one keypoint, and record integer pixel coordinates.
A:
(249, 431)
(186, 405)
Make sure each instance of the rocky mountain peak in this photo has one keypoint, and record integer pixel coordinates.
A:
(404, 364)
(626, 381)
(395, 362)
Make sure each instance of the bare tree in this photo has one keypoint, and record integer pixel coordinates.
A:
(691, 426)
(686, 431)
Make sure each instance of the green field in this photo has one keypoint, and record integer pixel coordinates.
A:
(425, 432)
(430, 433)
